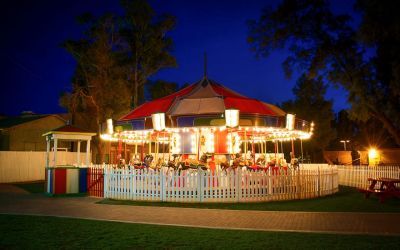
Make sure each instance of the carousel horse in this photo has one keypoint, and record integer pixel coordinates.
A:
(121, 163)
(203, 158)
(185, 165)
(259, 165)
(159, 164)
(136, 163)
(238, 163)
(203, 161)
(224, 166)
(295, 163)
(174, 163)
(261, 160)
(248, 162)
(146, 162)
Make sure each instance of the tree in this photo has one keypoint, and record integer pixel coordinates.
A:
(310, 104)
(365, 60)
(359, 133)
(147, 48)
(346, 129)
(114, 58)
(161, 88)
(99, 89)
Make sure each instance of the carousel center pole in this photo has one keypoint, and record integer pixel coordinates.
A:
(301, 147)
(245, 141)
(293, 147)
(156, 148)
(170, 146)
(150, 145)
(231, 142)
(136, 145)
(119, 152)
(142, 149)
(253, 151)
(125, 155)
(198, 134)
(163, 149)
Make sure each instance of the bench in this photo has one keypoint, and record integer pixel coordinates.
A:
(387, 188)
(377, 192)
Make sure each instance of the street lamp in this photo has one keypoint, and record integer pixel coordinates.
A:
(344, 143)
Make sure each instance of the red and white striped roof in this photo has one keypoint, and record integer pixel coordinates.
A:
(202, 98)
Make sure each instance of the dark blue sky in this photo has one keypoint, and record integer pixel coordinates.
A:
(35, 69)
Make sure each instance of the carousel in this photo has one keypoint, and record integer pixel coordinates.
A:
(209, 126)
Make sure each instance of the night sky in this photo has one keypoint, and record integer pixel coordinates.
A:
(35, 69)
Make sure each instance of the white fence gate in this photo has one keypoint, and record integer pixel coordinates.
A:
(230, 186)
(357, 176)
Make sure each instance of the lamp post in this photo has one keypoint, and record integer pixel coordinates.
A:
(344, 143)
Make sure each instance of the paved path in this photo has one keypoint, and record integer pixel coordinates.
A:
(15, 201)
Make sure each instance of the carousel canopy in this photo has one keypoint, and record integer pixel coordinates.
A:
(205, 97)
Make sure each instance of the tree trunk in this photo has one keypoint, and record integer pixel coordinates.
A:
(387, 123)
(99, 147)
(97, 143)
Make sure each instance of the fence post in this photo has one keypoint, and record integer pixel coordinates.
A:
(239, 184)
(200, 184)
(298, 186)
(332, 178)
(105, 191)
(319, 183)
(269, 181)
(162, 186)
(398, 174)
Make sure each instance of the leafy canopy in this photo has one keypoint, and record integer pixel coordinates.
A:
(310, 104)
(114, 58)
(365, 60)
(147, 48)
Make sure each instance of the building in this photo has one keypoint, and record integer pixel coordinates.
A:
(24, 132)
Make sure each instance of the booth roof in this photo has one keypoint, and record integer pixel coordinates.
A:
(205, 92)
(69, 129)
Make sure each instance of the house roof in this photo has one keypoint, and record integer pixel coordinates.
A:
(9, 122)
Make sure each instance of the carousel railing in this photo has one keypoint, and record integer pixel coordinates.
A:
(219, 186)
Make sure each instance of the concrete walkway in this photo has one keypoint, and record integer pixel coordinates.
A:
(15, 201)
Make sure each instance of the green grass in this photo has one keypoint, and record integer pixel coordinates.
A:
(346, 200)
(27, 232)
(32, 187)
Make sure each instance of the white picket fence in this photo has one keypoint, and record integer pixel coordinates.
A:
(313, 166)
(24, 166)
(357, 176)
(231, 186)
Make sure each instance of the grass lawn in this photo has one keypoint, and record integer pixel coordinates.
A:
(49, 232)
(346, 200)
(32, 187)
